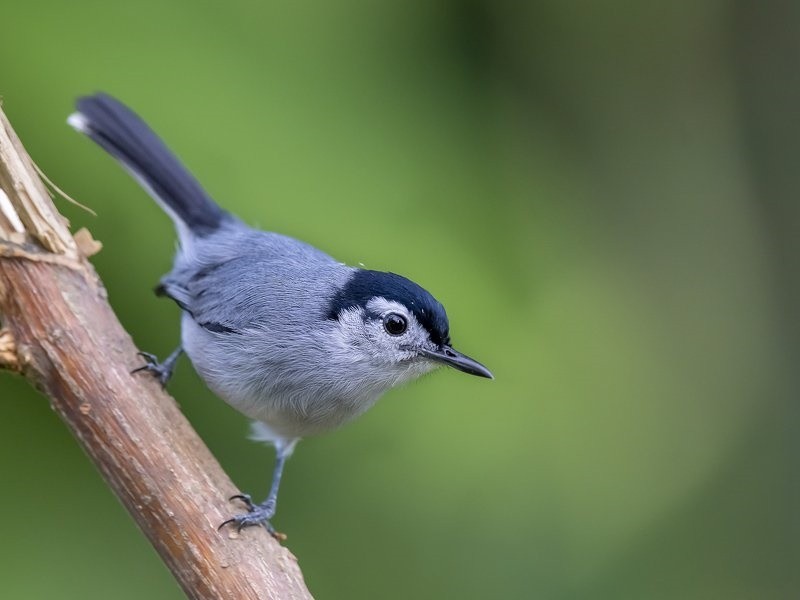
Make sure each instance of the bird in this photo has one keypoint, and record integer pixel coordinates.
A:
(295, 340)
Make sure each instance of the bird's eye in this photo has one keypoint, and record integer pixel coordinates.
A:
(395, 324)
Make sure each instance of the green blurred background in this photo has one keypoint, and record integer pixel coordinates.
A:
(603, 194)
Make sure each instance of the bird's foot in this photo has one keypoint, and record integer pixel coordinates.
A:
(257, 514)
(161, 370)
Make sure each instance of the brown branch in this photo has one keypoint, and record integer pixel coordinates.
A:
(61, 334)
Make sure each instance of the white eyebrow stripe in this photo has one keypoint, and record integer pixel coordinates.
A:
(381, 305)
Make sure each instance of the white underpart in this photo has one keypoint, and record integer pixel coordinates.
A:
(261, 432)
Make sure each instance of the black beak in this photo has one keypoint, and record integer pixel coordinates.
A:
(462, 362)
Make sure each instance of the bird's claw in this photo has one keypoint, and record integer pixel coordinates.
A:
(161, 370)
(257, 514)
(248, 501)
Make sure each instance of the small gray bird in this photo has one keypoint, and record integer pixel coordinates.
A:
(292, 338)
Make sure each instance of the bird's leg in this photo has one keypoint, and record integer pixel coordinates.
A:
(162, 370)
(260, 514)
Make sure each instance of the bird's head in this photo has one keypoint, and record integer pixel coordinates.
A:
(393, 323)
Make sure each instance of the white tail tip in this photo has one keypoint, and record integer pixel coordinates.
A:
(78, 122)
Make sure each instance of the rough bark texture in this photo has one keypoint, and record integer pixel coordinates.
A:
(59, 332)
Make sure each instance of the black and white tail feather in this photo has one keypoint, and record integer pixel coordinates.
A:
(121, 133)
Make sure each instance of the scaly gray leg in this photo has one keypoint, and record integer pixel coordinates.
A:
(260, 514)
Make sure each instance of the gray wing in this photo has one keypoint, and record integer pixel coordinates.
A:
(213, 295)
(263, 281)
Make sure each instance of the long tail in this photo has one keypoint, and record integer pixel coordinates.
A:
(121, 133)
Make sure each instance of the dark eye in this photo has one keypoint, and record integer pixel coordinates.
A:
(395, 324)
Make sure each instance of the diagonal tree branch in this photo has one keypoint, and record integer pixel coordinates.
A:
(59, 332)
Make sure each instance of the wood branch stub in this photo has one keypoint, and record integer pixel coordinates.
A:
(61, 334)
(8, 351)
(28, 197)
